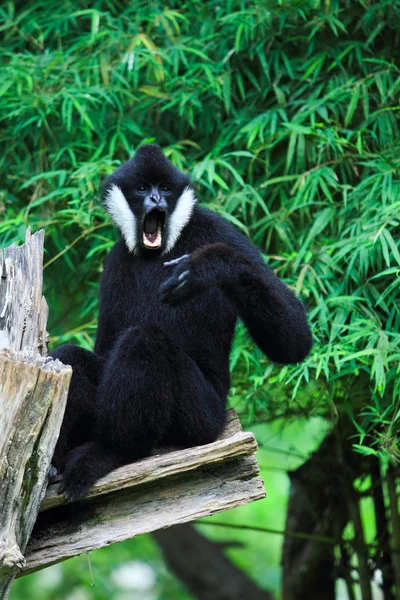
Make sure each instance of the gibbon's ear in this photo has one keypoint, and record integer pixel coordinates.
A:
(180, 216)
(119, 210)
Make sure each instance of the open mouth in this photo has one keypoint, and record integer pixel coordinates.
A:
(153, 228)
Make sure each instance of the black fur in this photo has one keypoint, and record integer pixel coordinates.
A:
(159, 373)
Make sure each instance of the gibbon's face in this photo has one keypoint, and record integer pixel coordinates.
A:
(150, 201)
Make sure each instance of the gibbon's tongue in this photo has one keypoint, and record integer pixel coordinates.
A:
(152, 230)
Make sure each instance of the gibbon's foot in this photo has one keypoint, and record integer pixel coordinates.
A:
(75, 482)
(84, 466)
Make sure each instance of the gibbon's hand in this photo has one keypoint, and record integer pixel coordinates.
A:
(202, 270)
(183, 282)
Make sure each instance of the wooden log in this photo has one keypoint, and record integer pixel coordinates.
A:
(150, 494)
(33, 392)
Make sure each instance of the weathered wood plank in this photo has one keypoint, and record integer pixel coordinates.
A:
(69, 530)
(163, 465)
(172, 487)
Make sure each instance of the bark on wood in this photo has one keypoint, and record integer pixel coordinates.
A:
(33, 391)
(156, 492)
(317, 506)
(321, 503)
(202, 566)
(23, 309)
(382, 557)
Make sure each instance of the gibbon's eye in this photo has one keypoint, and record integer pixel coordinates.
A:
(141, 189)
(165, 188)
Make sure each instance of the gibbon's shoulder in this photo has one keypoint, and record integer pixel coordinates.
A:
(212, 225)
(205, 217)
(119, 252)
(219, 229)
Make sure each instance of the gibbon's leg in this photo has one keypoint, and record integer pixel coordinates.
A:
(200, 411)
(151, 393)
(79, 418)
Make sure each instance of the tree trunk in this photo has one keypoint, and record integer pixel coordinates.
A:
(317, 506)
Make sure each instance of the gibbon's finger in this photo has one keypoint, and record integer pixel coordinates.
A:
(183, 275)
(170, 284)
(175, 291)
(167, 292)
(177, 277)
(175, 261)
(176, 294)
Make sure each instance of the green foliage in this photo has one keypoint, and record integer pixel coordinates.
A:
(286, 116)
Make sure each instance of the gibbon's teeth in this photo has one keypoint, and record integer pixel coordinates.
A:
(152, 240)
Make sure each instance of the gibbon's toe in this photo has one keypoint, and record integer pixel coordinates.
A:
(52, 473)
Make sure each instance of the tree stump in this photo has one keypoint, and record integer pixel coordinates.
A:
(33, 393)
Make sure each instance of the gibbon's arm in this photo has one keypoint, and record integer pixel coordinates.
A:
(273, 315)
(109, 295)
(105, 336)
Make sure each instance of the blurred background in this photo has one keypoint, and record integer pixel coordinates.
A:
(286, 116)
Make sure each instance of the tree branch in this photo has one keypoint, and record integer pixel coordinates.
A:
(202, 566)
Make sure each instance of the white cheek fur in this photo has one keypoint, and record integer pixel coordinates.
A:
(180, 217)
(123, 217)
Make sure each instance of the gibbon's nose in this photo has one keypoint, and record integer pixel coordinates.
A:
(155, 201)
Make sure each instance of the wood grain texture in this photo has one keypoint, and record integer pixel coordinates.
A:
(23, 309)
(69, 530)
(33, 393)
(168, 463)
(173, 486)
